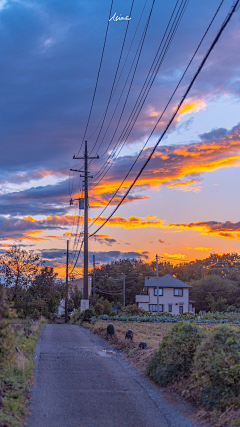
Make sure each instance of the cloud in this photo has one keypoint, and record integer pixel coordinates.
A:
(228, 229)
(191, 106)
(175, 256)
(202, 248)
(56, 257)
(29, 228)
(177, 166)
(131, 222)
(104, 239)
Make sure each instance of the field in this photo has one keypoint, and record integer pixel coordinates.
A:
(151, 333)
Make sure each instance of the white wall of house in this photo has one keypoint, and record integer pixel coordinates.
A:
(79, 283)
(168, 301)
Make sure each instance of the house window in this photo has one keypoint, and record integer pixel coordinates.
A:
(180, 309)
(170, 308)
(153, 307)
(160, 291)
(178, 292)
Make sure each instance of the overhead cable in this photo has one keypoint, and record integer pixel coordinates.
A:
(226, 21)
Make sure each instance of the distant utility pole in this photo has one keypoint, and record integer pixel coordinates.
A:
(85, 176)
(94, 275)
(2, 274)
(157, 284)
(124, 290)
(1, 301)
(66, 298)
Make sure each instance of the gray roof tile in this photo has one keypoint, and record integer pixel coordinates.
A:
(166, 281)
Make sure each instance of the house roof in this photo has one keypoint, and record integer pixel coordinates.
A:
(166, 281)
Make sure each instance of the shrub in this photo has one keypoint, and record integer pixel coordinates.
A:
(174, 357)
(99, 309)
(76, 315)
(133, 310)
(215, 379)
(86, 315)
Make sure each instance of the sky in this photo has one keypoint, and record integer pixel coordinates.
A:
(60, 88)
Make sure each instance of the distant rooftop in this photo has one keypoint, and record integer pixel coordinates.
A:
(166, 281)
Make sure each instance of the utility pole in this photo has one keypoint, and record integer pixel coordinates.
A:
(2, 274)
(85, 176)
(124, 290)
(66, 298)
(1, 301)
(94, 275)
(157, 284)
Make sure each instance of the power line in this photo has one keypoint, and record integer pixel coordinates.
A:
(140, 47)
(114, 80)
(99, 69)
(148, 84)
(123, 65)
(175, 113)
(145, 89)
(175, 90)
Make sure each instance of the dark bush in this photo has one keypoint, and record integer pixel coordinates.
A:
(174, 357)
(133, 310)
(215, 378)
(86, 315)
(99, 309)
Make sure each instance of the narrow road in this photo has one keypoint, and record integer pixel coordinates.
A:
(79, 382)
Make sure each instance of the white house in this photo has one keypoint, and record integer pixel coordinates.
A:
(173, 295)
(79, 284)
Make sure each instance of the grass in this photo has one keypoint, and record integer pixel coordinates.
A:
(16, 374)
(151, 333)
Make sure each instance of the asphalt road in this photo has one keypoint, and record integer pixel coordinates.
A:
(81, 382)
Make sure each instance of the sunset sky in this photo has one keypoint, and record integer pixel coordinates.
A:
(186, 203)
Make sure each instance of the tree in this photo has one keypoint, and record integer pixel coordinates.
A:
(21, 267)
(214, 292)
(44, 294)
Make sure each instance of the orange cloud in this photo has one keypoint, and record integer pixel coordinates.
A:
(173, 166)
(192, 106)
(228, 229)
(176, 184)
(131, 222)
(175, 256)
(202, 248)
(29, 218)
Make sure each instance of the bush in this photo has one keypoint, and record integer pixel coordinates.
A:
(133, 310)
(76, 315)
(174, 357)
(86, 315)
(215, 379)
(99, 309)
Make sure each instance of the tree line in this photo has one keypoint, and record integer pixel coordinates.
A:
(34, 289)
(215, 280)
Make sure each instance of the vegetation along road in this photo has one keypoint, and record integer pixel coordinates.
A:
(81, 381)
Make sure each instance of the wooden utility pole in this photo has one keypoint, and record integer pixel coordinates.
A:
(124, 290)
(1, 302)
(94, 275)
(85, 176)
(157, 284)
(66, 299)
(2, 294)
